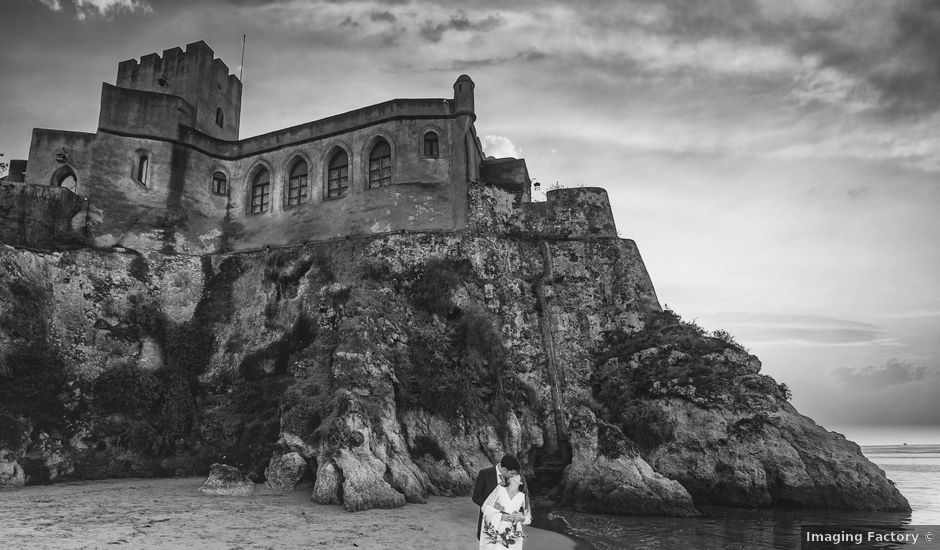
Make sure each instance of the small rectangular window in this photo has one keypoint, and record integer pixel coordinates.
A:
(219, 182)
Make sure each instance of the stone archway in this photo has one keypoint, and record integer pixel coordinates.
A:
(65, 177)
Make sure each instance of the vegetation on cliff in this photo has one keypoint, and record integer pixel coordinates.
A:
(701, 413)
(393, 368)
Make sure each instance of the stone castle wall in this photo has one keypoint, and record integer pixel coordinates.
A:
(44, 168)
(577, 213)
(175, 206)
(195, 76)
(38, 216)
(159, 112)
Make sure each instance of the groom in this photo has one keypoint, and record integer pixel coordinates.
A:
(487, 480)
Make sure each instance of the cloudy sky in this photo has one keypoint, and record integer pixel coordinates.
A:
(778, 163)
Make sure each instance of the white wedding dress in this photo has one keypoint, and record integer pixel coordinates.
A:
(494, 517)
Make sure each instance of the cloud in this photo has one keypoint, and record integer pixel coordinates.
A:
(865, 53)
(385, 16)
(805, 330)
(54, 5)
(893, 372)
(833, 87)
(499, 147)
(91, 8)
(528, 56)
(908, 72)
(434, 32)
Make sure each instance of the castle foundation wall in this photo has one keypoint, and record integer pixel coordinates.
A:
(39, 216)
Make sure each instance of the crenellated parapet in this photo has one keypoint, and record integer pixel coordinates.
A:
(194, 75)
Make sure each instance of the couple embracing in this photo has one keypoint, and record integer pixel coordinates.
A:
(501, 494)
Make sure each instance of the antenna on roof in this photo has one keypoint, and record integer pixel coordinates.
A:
(241, 68)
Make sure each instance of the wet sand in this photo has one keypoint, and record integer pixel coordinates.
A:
(172, 514)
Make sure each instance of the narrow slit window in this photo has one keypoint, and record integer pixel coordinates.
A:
(219, 117)
(380, 165)
(143, 166)
(297, 184)
(261, 192)
(338, 177)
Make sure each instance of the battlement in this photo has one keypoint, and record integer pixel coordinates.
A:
(194, 75)
(161, 73)
(166, 170)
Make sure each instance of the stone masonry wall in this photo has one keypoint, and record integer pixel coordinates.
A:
(577, 213)
(37, 216)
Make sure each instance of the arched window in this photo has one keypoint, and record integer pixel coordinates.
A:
(380, 165)
(431, 147)
(297, 183)
(219, 117)
(261, 191)
(142, 171)
(219, 184)
(338, 177)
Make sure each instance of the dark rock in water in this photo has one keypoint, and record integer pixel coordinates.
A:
(620, 484)
(774, 458)
(227, 480)
(285, 471)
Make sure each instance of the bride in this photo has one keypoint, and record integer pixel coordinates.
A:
(505, 511)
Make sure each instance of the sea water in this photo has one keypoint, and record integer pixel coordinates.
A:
(915, 469)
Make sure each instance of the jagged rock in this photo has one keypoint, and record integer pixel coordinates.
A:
(296, 444)
(329, 483)
(305, 350)
(620, 484)
(227, 480)
(364, 484)
(11, 474)
(285, 471)
(772, 458)
(447, 454)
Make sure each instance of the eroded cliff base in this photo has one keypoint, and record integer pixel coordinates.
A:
(382, 370)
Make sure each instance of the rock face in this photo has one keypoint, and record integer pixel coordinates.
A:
(396, 366)
(11, 474)
(701, 414)
(285, 471)
(229, 481)
(780, 458)
(615, 479)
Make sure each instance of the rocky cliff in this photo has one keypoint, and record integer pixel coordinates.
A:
(383, 369)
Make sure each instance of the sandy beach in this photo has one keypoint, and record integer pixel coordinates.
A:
(173, 514)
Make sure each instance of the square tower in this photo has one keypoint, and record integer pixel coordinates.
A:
(197, 77)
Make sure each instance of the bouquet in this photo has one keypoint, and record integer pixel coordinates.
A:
(507, 537)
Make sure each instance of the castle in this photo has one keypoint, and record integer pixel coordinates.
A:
(166, 170)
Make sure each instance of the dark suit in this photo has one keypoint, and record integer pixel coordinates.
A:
(485, 484)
